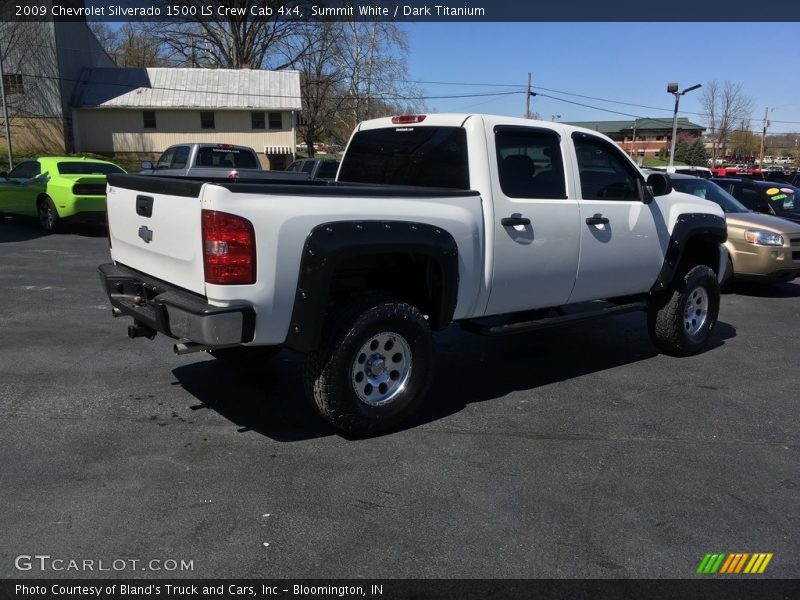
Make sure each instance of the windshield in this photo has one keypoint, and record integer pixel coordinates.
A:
(87, 168)
(422, 156)
(709, 190)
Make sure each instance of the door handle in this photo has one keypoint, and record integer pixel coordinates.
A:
(596, 220)
(514, 221)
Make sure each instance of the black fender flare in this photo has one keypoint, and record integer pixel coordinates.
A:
(330, 245)
(688, 226)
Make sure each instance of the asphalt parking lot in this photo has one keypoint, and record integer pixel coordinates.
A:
(576, 452)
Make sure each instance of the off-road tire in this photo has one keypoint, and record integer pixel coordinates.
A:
(49, 219)
(680, 320)
(332, 372)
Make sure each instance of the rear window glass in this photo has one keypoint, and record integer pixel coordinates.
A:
(232, 158)
(782, 199)
(422, 156)
(87, 168)
(327, 170)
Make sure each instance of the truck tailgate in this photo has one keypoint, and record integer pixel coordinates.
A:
(155, 227)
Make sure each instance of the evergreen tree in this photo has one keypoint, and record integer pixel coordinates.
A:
(697, 154)
(681, 150)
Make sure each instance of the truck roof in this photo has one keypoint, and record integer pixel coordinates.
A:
(459, 119)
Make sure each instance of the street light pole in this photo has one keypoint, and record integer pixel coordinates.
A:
(672, 88)
(5, 116)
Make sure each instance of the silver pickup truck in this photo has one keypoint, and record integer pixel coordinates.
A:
(215, 161)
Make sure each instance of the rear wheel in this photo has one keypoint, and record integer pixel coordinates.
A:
(680, 321)
(373, 368)
(48, 215)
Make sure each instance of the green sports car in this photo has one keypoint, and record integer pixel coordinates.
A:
(57, 190)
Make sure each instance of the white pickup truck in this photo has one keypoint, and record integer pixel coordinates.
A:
(503, 225)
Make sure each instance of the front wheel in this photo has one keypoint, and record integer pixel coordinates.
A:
(373, 368)
(680, 321)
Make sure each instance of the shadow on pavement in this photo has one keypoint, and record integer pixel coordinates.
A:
(268, 397)
(765, 290)
(21, 229)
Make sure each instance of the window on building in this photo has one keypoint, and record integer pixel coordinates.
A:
(275, 120)
(257, 120)
(149, 119)
(207, 120)
(12, 83)
(659, 138)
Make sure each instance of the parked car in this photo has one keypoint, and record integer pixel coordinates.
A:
(316, 168)
(704, 172)
(209, 160)
(760, 247)
(501, 224)
(57, 190)
(769, 197)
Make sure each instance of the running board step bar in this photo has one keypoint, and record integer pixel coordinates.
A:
(497, 326)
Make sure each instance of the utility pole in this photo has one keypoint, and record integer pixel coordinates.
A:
(763, 138)
(528, 99)
(5, 116)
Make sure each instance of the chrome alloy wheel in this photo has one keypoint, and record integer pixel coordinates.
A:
(381, 368)
(46, 217)
(696, 310)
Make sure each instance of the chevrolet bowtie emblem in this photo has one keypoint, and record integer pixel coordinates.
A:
(146, 234)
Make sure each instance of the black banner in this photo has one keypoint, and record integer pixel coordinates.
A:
(679, 11)
(395, 589)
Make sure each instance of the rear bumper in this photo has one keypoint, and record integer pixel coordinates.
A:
(173, 311)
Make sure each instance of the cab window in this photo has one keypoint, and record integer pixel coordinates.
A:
(165, 160)
(25, 170)
(604, 173)
(529, 162)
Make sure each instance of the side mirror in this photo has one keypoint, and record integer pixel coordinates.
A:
(659, 183)
(147, 165)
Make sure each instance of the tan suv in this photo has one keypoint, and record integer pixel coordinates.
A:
(761, 247)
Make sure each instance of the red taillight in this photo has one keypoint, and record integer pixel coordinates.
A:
(406, 119)
(229, 249)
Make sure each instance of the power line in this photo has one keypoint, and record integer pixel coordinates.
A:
(258, 95)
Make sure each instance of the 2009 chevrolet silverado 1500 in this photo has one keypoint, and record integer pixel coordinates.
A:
(503, 225)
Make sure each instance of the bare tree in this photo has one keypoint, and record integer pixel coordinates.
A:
(132, 45)
(725, 106)
(372, 59)
(227, 34)
(320, 82)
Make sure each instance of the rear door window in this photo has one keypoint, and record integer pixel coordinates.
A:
(529, 162)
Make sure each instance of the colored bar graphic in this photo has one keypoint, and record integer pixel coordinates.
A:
(740, 564)
(728, 564)
(734, 562)
(703, 563)
(765, 563)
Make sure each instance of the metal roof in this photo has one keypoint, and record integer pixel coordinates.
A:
(188, 88)
(649, 123)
